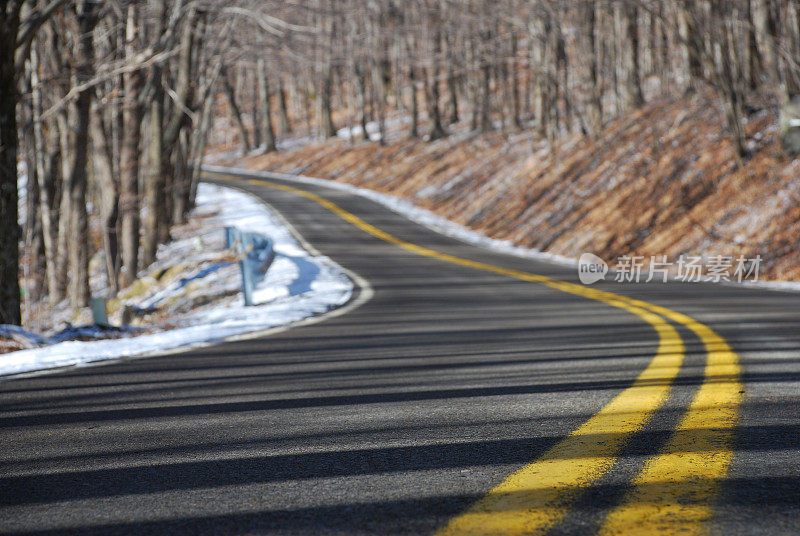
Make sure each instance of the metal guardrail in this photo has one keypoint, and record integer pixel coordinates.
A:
(255, 253)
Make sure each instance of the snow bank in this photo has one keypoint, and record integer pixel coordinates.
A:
(785, 286)
(297, 286)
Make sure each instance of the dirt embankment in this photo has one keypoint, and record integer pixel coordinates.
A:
(664, 180)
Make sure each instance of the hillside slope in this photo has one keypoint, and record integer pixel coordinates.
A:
(664, 180)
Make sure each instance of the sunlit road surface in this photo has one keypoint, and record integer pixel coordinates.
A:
(470, 393)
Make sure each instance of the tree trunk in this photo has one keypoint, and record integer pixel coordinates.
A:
(361, 99)
(184, 96)
(181, 189)
(634, 97)
(328, 130)
(515, 96)
(486, 95)
(33, 257)
(731, 80)
(34, 244)
(539, 32)
(64, 211)
(201, 137)
(129, 160)
(45, 178)
(308, 112)
(109, 197)
(266, 108)
(595, 105)
(432, 98)
(789, 59)
(452, 89)
(379, 85)
(9, 228)
(155, 183)
(155, 220)
(562, 72)
(432, 95)
(184, 84)
(664, 56)
(452, 86)
(754, 61)
(79, 225)
(766, 34)
(472, 88)
(691, 48)
(412, 82)
(256, 114)
(235, 113)
(284, 127)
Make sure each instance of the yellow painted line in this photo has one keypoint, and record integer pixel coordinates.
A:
(537, 496)
(674, 491)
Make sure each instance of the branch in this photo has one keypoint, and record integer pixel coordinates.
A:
(140, 60)
(268, 23)
(35, 20)
(28, 30)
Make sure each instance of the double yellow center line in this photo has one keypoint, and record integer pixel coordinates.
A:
(674, 491)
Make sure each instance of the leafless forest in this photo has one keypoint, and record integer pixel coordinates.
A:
(106, 107)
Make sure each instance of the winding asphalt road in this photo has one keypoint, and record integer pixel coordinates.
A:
(474, 392)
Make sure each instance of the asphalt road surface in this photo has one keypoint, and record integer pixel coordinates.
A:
(473, 393)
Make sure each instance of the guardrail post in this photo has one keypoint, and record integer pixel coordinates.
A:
(247, 283)
(255, 253)
(99, 313)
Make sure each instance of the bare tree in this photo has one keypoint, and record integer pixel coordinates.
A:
(266, 107)
(130, 156)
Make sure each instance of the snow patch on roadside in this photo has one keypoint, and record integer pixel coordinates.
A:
(298, 285)
(348, 133)
(786, 286)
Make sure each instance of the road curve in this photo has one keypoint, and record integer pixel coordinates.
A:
(473, 393)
